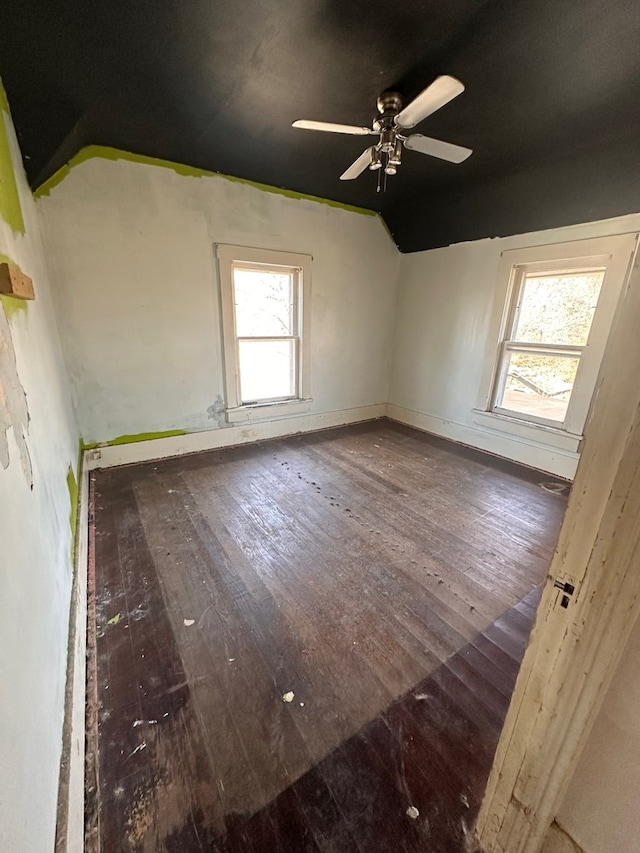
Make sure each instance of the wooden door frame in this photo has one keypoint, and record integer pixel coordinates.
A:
(573, 652)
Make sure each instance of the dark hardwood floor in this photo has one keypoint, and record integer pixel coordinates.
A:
(385, 578)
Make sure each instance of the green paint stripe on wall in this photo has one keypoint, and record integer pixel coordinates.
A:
(145, 436)
(92, 151)
(131, 439)
(72, 485)
(10, 208)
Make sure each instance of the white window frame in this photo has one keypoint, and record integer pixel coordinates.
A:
(245, 257)
(614, 254)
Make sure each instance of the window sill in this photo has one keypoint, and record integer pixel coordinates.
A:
(268, 411)
(538, 433)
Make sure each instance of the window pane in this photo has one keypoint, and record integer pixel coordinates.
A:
(558, 309)
(539, 385)
(267, 370)
(264, 303)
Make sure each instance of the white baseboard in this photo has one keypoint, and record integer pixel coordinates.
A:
(562, 463)
(160, 448)
(70, 829)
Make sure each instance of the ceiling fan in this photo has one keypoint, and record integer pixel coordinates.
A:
(391, 126)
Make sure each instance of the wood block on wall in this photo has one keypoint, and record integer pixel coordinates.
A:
(13, 282)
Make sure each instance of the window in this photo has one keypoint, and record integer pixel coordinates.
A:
(549, 324)
(556, 307)
(265, 309)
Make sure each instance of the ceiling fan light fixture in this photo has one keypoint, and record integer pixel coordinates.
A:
(395, 158)
(376, 163)
(388, 140)
(390, 168)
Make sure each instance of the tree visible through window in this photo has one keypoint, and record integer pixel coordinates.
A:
(548, 330)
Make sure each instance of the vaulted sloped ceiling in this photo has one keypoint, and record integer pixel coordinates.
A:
(551, 107)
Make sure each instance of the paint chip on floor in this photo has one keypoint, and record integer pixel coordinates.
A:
(288, 697)
(114, 619)
(189, 622)
(138, 748)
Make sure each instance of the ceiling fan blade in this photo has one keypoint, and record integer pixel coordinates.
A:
(437, 148)
(357, 167)
(440, 92)
(333, 128)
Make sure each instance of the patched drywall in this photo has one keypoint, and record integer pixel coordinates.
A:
(601, 808)
(14, 413)
(445, 304)
(137, 292)
(36, 423)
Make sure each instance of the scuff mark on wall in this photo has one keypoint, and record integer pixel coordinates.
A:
(14, 411)
(216, 412)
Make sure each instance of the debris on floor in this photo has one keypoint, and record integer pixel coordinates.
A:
(114, 619)
(413, 812)
(288, 697)
(139, 748)
(189, 622)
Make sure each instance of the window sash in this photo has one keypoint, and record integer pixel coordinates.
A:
(503, 375)
(295, 339)
(296, 277)
(296, 323)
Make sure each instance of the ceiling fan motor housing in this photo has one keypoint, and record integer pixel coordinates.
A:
(389, 105)
(389, 102)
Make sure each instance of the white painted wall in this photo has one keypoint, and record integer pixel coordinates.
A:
(35, 556)
(601, 809)
(445, 302)
(132, 255)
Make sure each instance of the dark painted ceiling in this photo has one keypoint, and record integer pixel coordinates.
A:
(551, 108)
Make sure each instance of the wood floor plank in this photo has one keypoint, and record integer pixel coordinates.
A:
(386, 578)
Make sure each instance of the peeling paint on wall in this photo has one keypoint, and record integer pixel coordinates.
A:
(13, 403)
